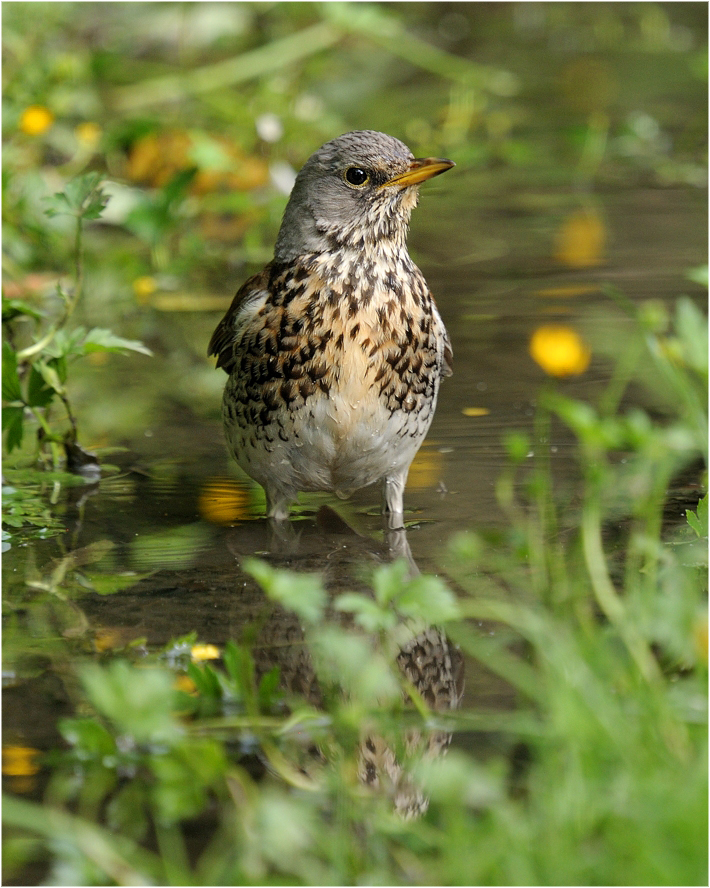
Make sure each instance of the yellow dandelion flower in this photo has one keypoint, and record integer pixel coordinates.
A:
(204, 652)
(144, 287)
(36, 120)
(19, 761)
(560, 351)
(475, 411)
(88, 134)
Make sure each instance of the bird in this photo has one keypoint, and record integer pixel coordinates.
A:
(336, 350)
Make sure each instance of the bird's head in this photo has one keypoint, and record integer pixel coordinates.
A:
(355, 192)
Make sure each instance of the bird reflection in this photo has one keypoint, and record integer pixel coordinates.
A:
(219, 602)
(285, 538)
(428, 660)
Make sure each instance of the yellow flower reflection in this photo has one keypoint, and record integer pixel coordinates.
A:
(223, 501)
(19, 761)
(88, 134)
(426, 469)
(36, 120)
(581, 240)
(185, 683)
(108, 639)
(560, 351)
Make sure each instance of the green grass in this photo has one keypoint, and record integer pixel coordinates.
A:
(601, 773)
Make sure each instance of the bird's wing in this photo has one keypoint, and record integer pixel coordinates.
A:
(447, 353)
(249, 299)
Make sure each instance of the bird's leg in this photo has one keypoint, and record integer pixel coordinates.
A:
(398, 547)
(393, 499)
(392, 514)
(283, 539)
(278, 503)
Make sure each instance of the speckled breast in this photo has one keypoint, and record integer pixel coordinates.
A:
(334, 385)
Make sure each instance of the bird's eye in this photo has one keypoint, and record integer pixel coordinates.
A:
(356, 176)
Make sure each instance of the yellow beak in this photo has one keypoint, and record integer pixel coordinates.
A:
(420, 170)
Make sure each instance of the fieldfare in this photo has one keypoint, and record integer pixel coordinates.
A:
(335, 351)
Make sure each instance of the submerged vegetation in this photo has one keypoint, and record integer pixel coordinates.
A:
(329, 741)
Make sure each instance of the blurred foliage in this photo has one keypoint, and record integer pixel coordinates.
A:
(43, 364)
(181, 766)
(181, 125)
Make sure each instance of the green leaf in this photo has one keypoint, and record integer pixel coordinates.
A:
(82, 197)
(126, 812)
(692, 329)
(154, 217)
(698, 520)
(109, 584)
(183, 777)
(426, 597)
(517, 446)
(268, 693)
(88, 736)
(79, 342)
(459, 780)
(207, 153)
(302, 593)
(13, 423)
(699, 275)
(368, 613)
(13, 308)
(205, 680)
(49, 375)
(137, 700)
(177, 187)
(429, 599)
(389, 580)
(100, 340)
(11, 390)
(57, 205)
(60, 367)
(66, 343)
(349, 661)
(239, 665)
(40, 393)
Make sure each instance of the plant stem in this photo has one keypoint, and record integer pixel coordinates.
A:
(623, 371)
(604, 590)
(272, 57)
(121, 859)
(70, 302)
(54, 446)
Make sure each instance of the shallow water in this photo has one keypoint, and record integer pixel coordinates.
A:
(504, 251)
(178, 516)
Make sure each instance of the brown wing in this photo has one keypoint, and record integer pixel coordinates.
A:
(447, 367)
(222, 341)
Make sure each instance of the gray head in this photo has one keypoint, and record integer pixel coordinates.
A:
(355, 191)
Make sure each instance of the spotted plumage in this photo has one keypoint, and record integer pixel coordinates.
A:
(335, 351)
